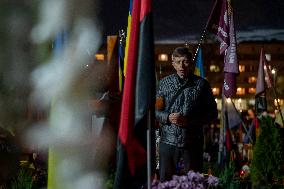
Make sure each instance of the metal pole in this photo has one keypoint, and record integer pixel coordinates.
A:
(149, 160)
(199, 43)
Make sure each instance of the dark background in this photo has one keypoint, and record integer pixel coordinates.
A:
(176, 20)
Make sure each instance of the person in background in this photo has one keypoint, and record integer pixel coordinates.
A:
(184, 103)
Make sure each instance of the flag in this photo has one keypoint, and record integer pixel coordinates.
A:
(231, 119)
(221, 24)
(218, 23)
(127, 35)
(263, 82)
(138, 92)
(121, 47)
(199, 65)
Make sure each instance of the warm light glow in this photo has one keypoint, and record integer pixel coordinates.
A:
(252, 79)
(273, 71)
(214, 68)
(280, 102)
(241, 91)
(163, 57)
(216, 100)
(242, 68)
(100, 57)
(265, 67)
(228, 100)
(216, 91)
(240, 100)
(251, 90)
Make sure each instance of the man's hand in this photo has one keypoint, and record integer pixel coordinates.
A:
(177, 119)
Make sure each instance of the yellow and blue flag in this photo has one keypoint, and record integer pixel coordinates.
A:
(199, 65)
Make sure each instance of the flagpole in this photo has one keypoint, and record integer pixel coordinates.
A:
(149, 151)
(199, 43)
(221, 134)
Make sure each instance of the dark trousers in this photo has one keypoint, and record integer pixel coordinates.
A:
(171, 157)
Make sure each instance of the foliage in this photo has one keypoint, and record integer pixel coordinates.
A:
(23, 180)
(265, 165)
(228, 178)
(110, 180)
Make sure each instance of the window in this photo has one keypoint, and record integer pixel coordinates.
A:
(280, 101)
(251, 68)
(251, 102)
(163, 57)
(214, 68)
(241, 104)
(100, 57)
(241, 91)
(252, 79)
(265, 67)
(242, 68)
(216, 91)
(251, 90)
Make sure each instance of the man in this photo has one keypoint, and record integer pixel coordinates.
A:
(184, 104)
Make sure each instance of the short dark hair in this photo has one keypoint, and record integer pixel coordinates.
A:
(182, 51)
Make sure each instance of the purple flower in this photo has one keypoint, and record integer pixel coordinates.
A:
(212, 181)
(183, 179)
(175, 177)
(173, 183)
(199, 177)
(177, 186)
(185, 185)
(199, 186)
(191, 175)
(163, 185)
(155, 182)
(191, 181)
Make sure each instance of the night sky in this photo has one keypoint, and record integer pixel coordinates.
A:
(181, 20)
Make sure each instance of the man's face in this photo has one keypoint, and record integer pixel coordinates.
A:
(182, 65)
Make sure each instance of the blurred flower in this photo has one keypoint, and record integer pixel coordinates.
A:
(191, 180)
(212, 181)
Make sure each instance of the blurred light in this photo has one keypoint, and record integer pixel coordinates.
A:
(268, 57)
(100, 57)
(228, 100)
(163, 57)
(273, 71)
(251, 90)
(214, 68)
(216, 91)
(241, 91)
(252, 79)
(242, 68)
(280, 102)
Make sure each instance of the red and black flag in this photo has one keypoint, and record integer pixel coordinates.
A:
(221, 24)
(138, 93)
